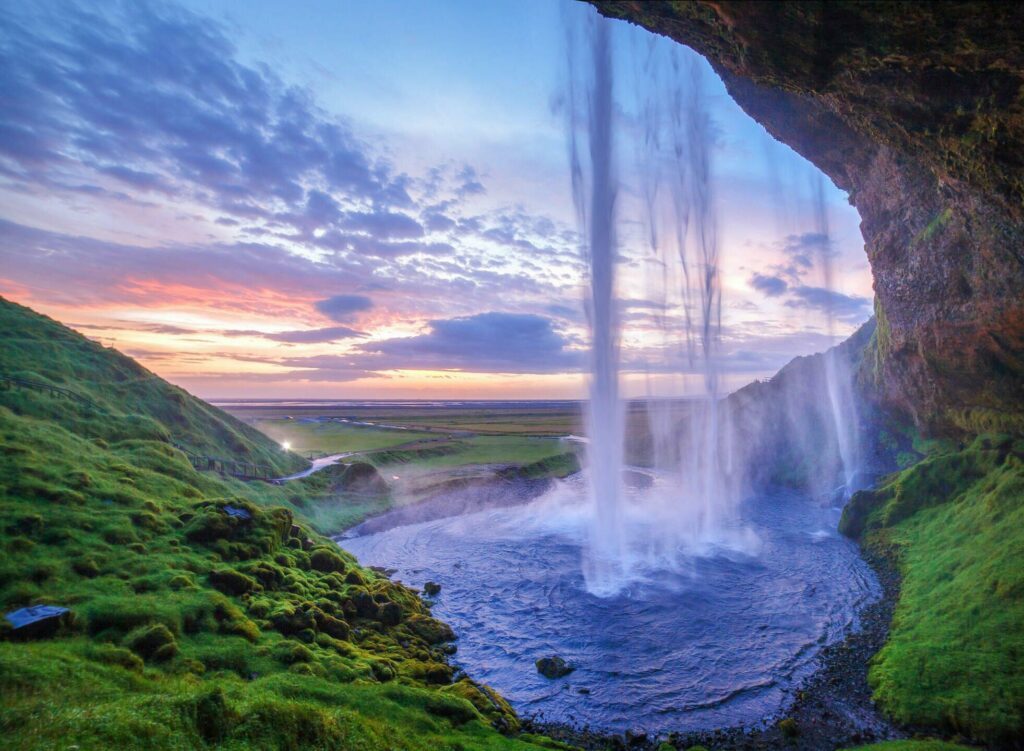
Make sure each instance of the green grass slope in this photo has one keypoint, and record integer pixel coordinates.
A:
(191, 628)
(127, 401)
(927, 745)
(955, 523)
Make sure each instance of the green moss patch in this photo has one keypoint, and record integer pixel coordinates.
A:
(955, 655)
(920, 745)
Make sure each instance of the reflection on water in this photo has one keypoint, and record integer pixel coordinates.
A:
(715, 634)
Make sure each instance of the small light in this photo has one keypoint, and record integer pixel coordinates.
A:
(287, 445)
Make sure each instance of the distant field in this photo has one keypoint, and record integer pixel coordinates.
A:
(427, 437)
(431, 435)
(333, 437)
(490, 418)
(553, 423)
(481, 449)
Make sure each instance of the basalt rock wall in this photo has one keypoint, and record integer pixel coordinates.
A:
(917, 110)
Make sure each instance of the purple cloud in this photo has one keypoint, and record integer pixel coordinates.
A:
(772, 286)
(343, 307)
(849, 308)
(495, 342)
(315, 336)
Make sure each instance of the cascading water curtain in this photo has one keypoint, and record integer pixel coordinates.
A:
(675, 183)
(673, 137)
(594, 183)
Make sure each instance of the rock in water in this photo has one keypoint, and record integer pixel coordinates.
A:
(554, 667)
(636, 737)
(431, 589)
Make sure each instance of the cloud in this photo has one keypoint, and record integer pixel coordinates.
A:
(803, 248)
(343, 307)
(144, 181)
(315, 336)
(258, 278)
(64, 269)
(153, 97)
(384, 224)
(470, 183)
(152, 100)
(485, 342)
(848, 308)
(750, 351)
(153, 328)
(435, 220)
(291, 377)
(633, 304)
(772, 286)
(374, 247)
(326, 368)
(572, 313)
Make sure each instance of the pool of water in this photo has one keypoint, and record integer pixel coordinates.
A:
(719, 635)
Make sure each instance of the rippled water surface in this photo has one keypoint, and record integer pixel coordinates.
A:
(719, 637)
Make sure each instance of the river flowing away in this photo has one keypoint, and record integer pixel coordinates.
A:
(716, 633)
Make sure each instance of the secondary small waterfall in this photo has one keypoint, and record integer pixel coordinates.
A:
(838, 378)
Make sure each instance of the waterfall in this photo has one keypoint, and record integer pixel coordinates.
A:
(594, 193)
(838, 377)
(702, 462)
(675, 184)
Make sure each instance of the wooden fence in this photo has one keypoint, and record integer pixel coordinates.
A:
(57, 391)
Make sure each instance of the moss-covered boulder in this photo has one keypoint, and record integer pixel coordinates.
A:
(154, 642)
(322, 559)
(432, 631)
(487, 702)
(232, 582)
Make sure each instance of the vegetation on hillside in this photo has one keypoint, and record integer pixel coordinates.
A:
(204, 611)
(925, 745)
(955, 524)
(119, 399)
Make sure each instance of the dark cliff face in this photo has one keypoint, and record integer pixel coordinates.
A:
(916, 109)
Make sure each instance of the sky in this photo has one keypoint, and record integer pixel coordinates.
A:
(373, 200)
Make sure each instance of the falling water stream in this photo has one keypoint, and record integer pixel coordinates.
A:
(838, 378)
(674, 176)
(594, 192)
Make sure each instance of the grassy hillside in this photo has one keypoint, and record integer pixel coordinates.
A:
(955, 524)
(926, 745)
(191, 627)
(124, 399)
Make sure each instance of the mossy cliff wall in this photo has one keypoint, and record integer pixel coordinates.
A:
(916, 109)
